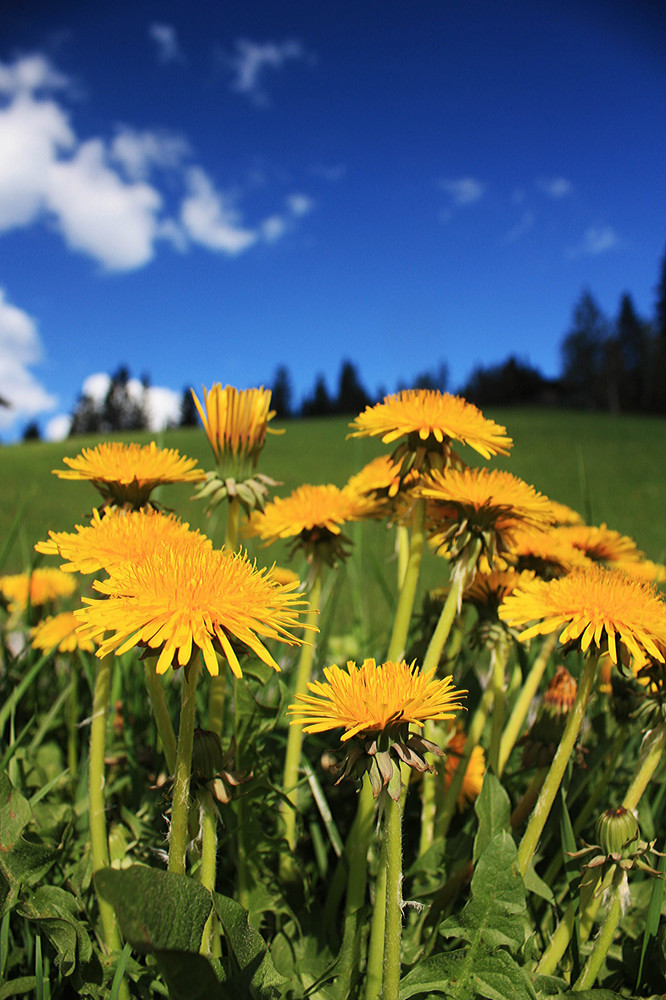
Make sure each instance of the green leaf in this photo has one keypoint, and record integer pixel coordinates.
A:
(55, 912)
(23, 861)
(18, 987)
(156, 910)
(256, 972)
(493, 810)
(495, 976)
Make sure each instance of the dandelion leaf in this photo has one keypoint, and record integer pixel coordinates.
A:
(55, 912)
(23, 861)
(256, 975)
(493, 811)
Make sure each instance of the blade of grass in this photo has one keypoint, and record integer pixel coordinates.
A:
(21, 688)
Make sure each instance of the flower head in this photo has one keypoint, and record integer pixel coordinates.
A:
(41, 587)
(547, 553)
(314, 516)
(374, 697)
(602, 544)
(380, 478)
(59, 631)
(128, 473)
(120, 536)
(592, 605)
(187, 597)
(490, 505)
(235, 420)
(474, 772)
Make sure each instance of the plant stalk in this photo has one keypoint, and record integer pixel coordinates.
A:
(393, 923)
(523, 702)
(161, 713)
(407, 595)
(178, 835)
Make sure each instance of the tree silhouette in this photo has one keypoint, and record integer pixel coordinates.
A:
(318, 404)
(352, 397)
(281, 393)
(584, 360)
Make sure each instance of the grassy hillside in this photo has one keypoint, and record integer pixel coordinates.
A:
(611, 468)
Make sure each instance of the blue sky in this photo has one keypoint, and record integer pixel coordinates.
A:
(206, 190)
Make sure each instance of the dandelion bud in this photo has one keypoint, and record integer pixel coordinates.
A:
(616, 831)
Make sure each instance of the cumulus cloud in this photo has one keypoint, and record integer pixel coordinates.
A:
(102, 195)
(251, 60)
(165, 37)
(596, 240)
(555, 187)
(463, 190)
(20, 348)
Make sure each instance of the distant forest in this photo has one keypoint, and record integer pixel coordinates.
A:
(607, 363)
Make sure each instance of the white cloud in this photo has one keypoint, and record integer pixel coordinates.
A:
(165, 37)
(252, 59)
(596, 240)
(464, 190)
(29, 74)
(522, 227)
(140, 151)
(300, 204)
(162, 404)
(555, 187)
(210, 218)
(57, 428)
(20, 348)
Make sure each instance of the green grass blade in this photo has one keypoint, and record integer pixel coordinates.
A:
(119, 973)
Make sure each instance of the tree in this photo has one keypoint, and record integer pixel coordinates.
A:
(352, 397)
(511, 383)
(631, 344)
(281, 393)
(319, 404)
(189, 415)
(436, 381)
(31, 432)
(656, 394)
(122, 411)
(584, 360)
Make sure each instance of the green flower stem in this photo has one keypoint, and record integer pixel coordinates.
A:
(559, 942)
(242, 858)
(529, 797)
(603, 941)
(448, 807)
(523, 702)
(357, 876)
(651, 755)
(233, 524)
(216, 701)
(295, 735)
(402, 551)
(541, 811)
(99, 844)
(181, 784)
(403, 613)
(161, 714)
(375, 963)
(499, 657)
(208, 869)
(393, 924)
(72, 728)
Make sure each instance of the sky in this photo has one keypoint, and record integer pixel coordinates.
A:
(204, 191)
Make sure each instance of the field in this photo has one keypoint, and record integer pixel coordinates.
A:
(175, 836)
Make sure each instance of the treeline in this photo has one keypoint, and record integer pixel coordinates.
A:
(613, 363)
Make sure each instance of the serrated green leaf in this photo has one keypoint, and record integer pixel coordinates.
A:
(495, 976)
(493, 810)
(55, 912)
(23, 861)
(256, 972)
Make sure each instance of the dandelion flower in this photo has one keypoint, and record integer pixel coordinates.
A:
(643, 569)
(59, 631)
(380, 478)
(128, 473)
(373, 698)
(428, 414)
(42, 586)
(546, 553)
(187, 598)
(474, 772)
(592, 605)
(117, 537)
(565, 515)
(602, 544)
(235, 420)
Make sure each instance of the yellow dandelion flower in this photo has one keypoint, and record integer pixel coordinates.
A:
(42, 586)
(474, 772)
(602, 544)
(128, 473)
(312, 513)
(235, 420)
(117, 537)
(284, 575)
(488, 590)
(592, 605)
(489, 504)
(564, 514)
(547, 553)
(374, 697)
(428, 413)
(59, 631)
(644, 569)
(188, 597)
(381, 478)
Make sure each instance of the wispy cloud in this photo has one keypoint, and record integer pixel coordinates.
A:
(596, 240)
(463, 190)
(165, 37)
(521, 228)
(210, 217)
(555, 187)
(140, 152)
(20, 349)
(251, 60)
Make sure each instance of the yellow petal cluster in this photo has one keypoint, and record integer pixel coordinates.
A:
(474, 772)
(235, 420)
(309, 508)
(592, 605)
(188, 597)
(40, 587)
(374, 697)
(602, 544)
(427, 412)
(59, 631)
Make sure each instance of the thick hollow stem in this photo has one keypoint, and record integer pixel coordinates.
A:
(652, 751)
(181, 784)
(541, 811)
(161, 714)
(408, 590)
(99, 844)
(393, 924)
(375, 963)
(603, 942)
(207, 872)
(499, 659)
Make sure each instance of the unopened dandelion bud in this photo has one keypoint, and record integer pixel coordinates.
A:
(207, 754)
(617, 831)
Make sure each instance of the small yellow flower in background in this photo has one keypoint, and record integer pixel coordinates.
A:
(117, 537)
(42, 586)
(314, 516)
(60, 631)
(488, 504)
(474, 772)
(373, 698)
(189, 597)
(593, 606)
(429, 422)
(547, 553)
(602, 544)
(128, 473)
(284, 575)
(643, 569)
(564, 514)
(487, 590)
(380, 478)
